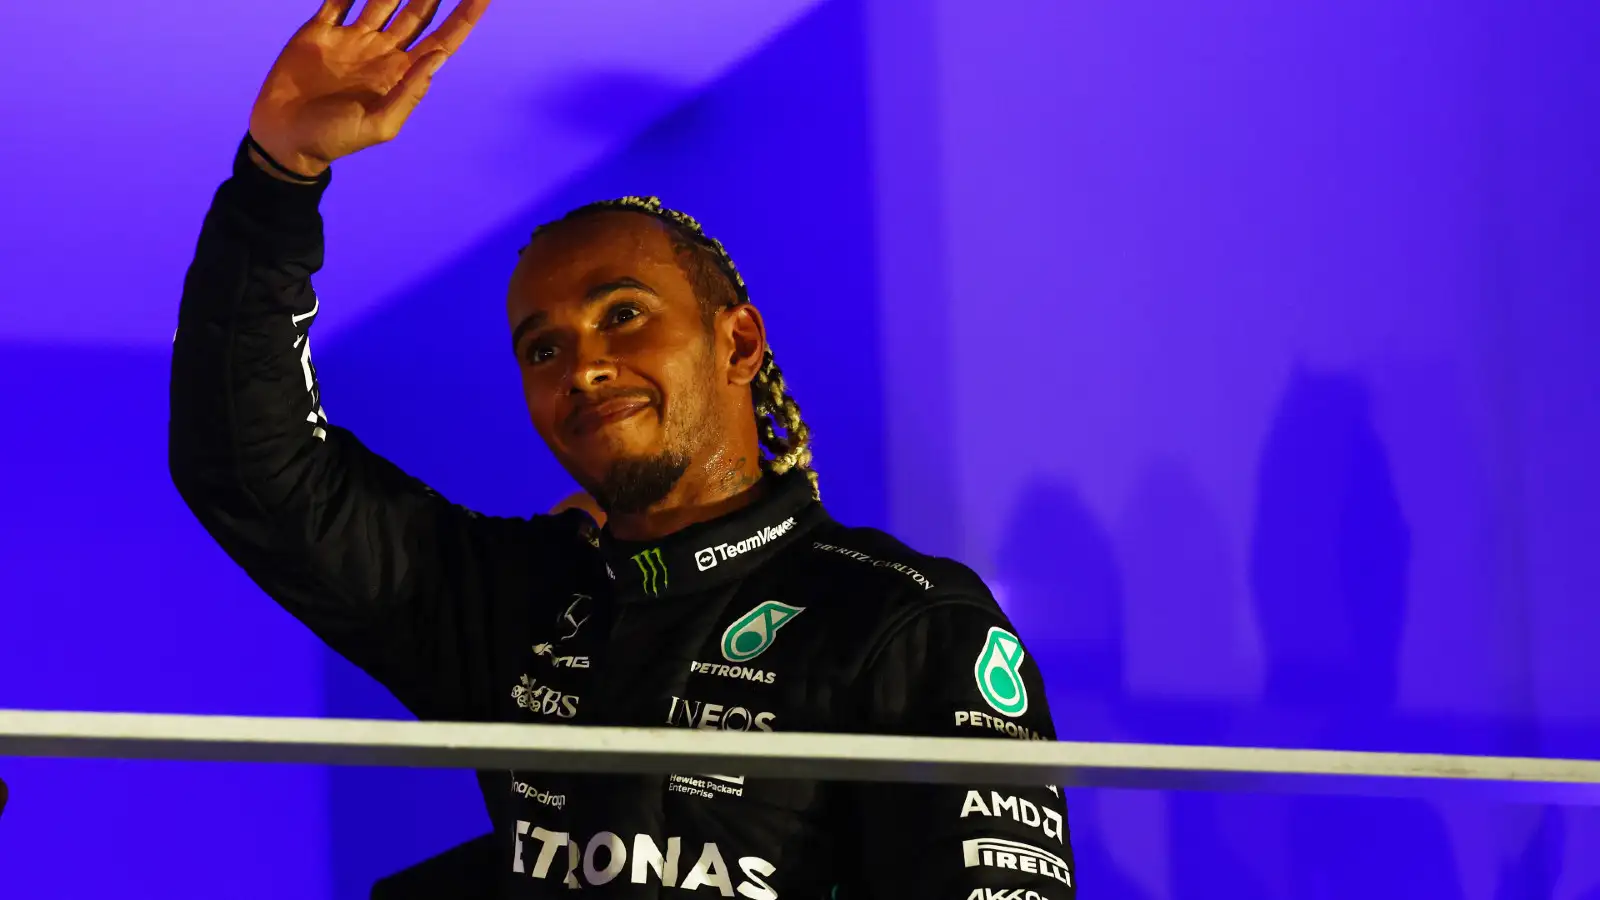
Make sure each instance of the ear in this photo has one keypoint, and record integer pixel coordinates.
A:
(746, 342)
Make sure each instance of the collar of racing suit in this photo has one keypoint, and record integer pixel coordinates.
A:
(721, 550)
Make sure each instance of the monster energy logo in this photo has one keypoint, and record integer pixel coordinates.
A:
(999, 674)
(747, 638)
(653, 569)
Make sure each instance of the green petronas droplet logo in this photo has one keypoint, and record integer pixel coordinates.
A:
(752, 634)
(999, 673)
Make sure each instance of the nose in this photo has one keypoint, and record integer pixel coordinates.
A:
(594, 367)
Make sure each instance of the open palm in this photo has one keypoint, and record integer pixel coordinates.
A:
(339, 88)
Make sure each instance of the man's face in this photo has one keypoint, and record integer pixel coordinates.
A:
(618, 365)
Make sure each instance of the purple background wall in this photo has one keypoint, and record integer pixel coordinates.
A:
(1248, 352)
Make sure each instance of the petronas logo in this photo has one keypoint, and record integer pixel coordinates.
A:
(653, 570)
(999, 673)
(749, 637)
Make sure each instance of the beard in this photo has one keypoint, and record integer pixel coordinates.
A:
(635, 485)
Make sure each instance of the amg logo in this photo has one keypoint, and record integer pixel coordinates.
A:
(1019, 809)
(716, 717)
(1003, 894)
(604, 857)
(568, 662)
(1016, 856)
(710, 556)
(976, 719)
(742, 672)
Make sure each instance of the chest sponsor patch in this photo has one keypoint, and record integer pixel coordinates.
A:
(544, 700)
(742, 673)
(708, 557)
(707, 786)
(753, 632)
(999, 673)
(675, 862)
(977, 718)
(704, 716)
(529, 792)
(1018, 809)
(999, 853)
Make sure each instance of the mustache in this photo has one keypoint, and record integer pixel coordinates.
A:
(586, 403)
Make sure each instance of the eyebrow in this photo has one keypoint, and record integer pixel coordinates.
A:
(535, 320)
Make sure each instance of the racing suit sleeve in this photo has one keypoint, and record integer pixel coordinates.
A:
(957, 669)
(379, 566)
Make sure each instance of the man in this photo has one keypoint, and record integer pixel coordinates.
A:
(718, 595)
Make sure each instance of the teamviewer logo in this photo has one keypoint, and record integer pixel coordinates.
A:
(706, 559)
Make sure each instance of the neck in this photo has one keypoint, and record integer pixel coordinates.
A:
(725, 483)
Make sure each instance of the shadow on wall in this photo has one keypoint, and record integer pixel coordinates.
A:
(1328, 567)
(1061, 586)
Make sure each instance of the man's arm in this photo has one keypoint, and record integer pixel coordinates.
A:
(957, 669)
(378, 565)
(369, 558)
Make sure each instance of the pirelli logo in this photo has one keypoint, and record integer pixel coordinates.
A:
(999, 853)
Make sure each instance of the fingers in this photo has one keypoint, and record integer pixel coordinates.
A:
(333, 12)
(412, 21)
(453, 33)
(376, 14)
(397, 105)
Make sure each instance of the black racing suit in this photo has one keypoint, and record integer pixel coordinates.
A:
(774, 618)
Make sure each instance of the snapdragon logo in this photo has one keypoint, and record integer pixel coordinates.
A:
(999, 853)
(710, 556)
(1018, 809)
(752, 634)
(529, 792)
(999, 673)
(606, 857)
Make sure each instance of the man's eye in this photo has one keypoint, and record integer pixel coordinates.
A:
(623, 314)
(538, 353)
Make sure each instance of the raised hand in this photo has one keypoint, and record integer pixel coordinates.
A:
(339, 88)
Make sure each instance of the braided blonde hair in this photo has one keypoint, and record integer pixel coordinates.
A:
(783, 433)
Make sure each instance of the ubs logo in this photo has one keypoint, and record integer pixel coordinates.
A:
(544, 700)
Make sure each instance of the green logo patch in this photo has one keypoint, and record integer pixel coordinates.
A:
(752, 634)
(653, 569)
(999, 673)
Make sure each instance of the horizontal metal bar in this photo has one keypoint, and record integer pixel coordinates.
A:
(836, 757)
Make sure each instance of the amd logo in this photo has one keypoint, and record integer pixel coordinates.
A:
(1019, 809)
(716, 717)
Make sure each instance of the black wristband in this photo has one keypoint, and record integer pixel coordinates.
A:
(282, 169)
